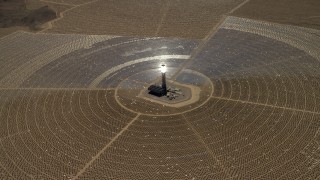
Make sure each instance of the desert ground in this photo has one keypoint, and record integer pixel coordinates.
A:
(72, 73)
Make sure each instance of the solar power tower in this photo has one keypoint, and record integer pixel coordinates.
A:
(163, 70)
(160, 90)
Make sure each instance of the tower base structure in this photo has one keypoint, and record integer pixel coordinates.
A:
(157, 90)
(177, 94)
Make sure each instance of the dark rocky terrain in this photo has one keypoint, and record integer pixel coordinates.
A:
(15, 13)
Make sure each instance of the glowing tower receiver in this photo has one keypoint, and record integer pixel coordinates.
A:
(163, 68)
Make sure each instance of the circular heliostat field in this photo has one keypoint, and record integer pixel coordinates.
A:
(77, 106)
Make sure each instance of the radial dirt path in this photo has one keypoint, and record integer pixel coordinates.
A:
(94, 158)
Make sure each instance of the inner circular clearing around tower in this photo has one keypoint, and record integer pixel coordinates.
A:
(133, 94)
